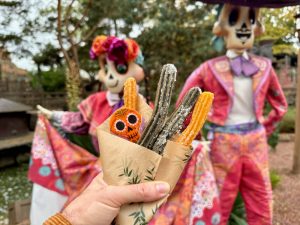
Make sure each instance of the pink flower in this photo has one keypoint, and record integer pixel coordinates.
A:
(117, 51)
(106, 45)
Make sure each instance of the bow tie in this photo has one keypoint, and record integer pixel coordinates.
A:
(243, 67)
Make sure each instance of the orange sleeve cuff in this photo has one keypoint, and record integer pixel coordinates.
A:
(57, 219)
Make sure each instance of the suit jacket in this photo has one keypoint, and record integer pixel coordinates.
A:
(215, 76)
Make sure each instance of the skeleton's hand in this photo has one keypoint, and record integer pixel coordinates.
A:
(46, 112)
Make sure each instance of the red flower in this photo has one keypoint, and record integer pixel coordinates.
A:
(133, 49)
(97, 46)
(108, 42)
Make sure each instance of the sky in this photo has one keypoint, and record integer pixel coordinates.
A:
(35, 43)
(40, 39)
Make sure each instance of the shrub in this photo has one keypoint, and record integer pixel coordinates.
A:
(287, 124)
(275, 179)
(274, 139)
(52, 80)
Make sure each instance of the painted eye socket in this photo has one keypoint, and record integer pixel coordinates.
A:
(132, 119)
(252, 16)
(233, 17)
(122, 68)
(120, 125)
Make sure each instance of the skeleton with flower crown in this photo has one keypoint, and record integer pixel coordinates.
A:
(59, 169)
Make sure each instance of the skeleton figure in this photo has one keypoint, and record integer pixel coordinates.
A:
(118, 60)
(242, 83)
(239, 26)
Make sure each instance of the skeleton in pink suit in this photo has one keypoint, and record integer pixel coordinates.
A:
(241, 82)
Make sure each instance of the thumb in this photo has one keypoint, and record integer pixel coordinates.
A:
(144, 192)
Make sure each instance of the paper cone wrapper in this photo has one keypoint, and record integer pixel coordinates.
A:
(124, 162)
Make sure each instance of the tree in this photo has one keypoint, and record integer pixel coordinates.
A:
(279, 27)
(18, 33)
(152, 23)
(178, 34)
(51, 80)
(5, 9)
(49, 57)
(77, 22)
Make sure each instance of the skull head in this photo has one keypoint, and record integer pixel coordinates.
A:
(114, 75)
(126, 123)
(239, 26)
(118, 60)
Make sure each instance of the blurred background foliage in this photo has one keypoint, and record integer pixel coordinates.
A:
(50, 80)
(287, 124)
(168, 31)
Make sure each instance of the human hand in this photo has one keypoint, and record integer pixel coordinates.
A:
(46, 112)
(100, 203)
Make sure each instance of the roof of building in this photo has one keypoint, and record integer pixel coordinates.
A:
(11, 106)
(11, 69)
(8, 68)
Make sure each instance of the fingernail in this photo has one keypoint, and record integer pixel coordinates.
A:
(162, 188)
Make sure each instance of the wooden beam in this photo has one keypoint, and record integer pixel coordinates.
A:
(296, 164)
(17, 141)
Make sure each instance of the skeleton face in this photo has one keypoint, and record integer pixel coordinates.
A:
(126, 123)
(239, 26)
(114, 76)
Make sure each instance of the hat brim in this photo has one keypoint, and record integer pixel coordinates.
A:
(256, 3)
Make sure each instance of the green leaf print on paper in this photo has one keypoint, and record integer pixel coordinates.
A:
(139, 217)
(133, 177)
(150, 174)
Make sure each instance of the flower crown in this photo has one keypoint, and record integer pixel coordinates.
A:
(118, 50)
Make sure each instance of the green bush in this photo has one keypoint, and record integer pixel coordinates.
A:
(273, 139)
(52, 80)
(287, 124)
(275, 178)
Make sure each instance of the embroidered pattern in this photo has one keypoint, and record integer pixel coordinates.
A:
(205, 189)
(204, 193)
(41, 147)
(222, 66)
